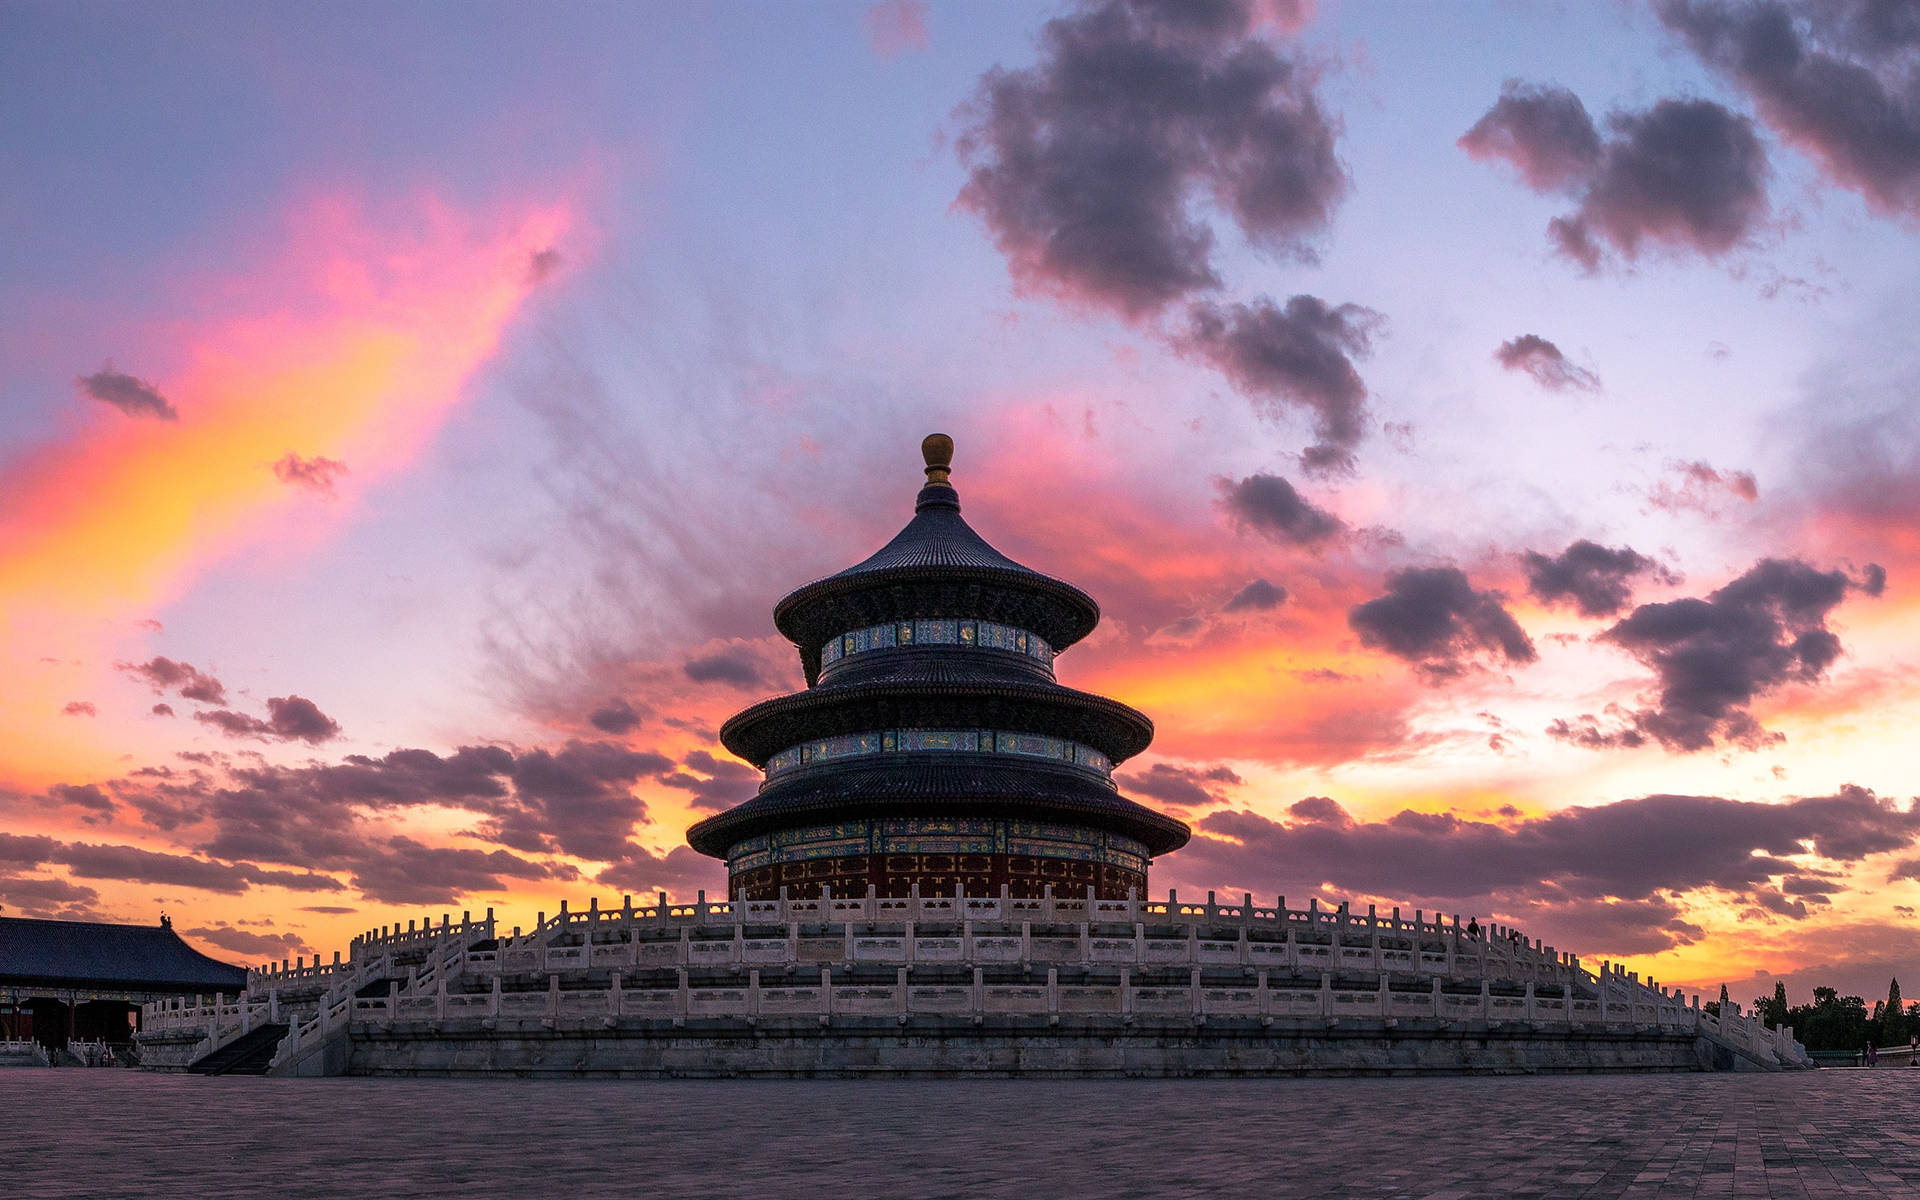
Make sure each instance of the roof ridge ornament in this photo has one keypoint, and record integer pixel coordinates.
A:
(937, 449)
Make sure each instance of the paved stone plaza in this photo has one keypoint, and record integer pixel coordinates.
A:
(1829, 1133)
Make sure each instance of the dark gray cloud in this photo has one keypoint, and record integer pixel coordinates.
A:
(40, 896)
(1325, 461)
(1839, 79)
(578, 800)
(323, 820)
(1646, 852)
(1712, 657)
(1257, 596)
(1545, 132)
(1186, 787)
(1300, 357)
(289, 718)
(1544, 363)
(249, 942)
(575, 799)
(1269, 505)
(162, 710)
(297, 718)
(80, 708)
(1597, 579)
(541, 264)
(1434, 618)
(678, 872)
(616, 716)
(1585, 731)
(400, 870)
(722, 667)
(1093, 167)
(317, 475)
(725, 783)
(136, 865)
(164, 674)
(81, 795)
(1684, 175)
(135, 397)
(314, 815)
(233, 724)
(25, 850)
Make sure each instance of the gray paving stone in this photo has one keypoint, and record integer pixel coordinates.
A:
(78, 1134)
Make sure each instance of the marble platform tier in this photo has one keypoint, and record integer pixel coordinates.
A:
(968, 985)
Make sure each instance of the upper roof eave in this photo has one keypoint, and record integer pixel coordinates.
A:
(936, 547)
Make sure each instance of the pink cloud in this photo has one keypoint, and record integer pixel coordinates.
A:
(896, 27)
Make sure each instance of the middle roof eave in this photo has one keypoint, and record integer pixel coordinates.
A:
(1113, 728)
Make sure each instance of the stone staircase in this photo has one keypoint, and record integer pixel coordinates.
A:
(249, 1054)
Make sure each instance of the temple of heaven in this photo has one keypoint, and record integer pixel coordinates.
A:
(939, 878)
(932, 745)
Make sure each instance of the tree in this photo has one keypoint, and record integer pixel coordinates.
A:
(1893, 1023)
(1831, 1022)
(1773, 1010)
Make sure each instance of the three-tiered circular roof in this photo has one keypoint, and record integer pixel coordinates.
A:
(936, 572)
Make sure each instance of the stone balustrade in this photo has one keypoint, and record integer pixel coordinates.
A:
(22, 1052)
(960, 960)
(1333, 938)
(222, 1018)
(283, 975)
(1048, 909)
(392, 938)
(1200, 996)
(992, 942)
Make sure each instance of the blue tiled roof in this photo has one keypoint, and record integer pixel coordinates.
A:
(87, 954)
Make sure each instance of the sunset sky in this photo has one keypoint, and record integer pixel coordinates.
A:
(1492, 433)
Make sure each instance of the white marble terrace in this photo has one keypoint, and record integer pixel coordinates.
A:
(953, 957)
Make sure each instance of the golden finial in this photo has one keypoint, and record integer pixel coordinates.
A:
(937, 449)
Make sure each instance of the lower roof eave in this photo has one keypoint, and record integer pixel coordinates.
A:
(1059, 795)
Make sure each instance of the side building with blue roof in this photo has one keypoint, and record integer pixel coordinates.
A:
(83, 980)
